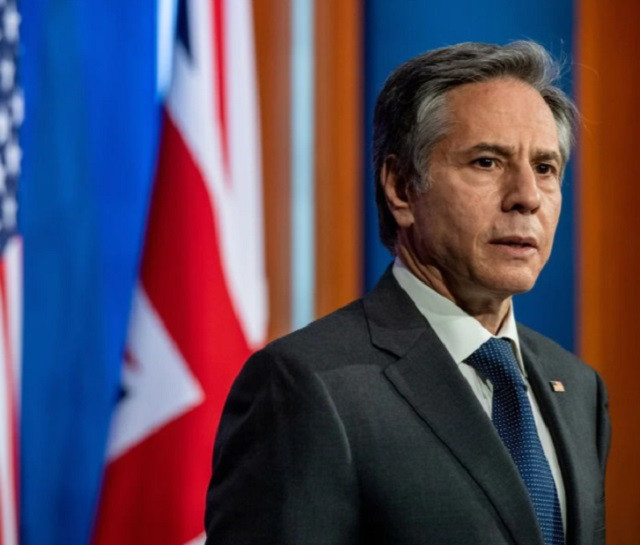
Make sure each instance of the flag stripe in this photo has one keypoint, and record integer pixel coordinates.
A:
(13, 280)
(219, 38)
(8, 427)
(207, 318)
(237, 205)
(8, 413)
(2, 502)
(5, 295)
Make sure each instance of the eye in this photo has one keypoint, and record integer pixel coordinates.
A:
(485, 162)
(545, 168)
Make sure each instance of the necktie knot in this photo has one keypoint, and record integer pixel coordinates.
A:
(496, 361)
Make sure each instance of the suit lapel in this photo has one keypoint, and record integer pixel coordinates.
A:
(553, 407)
(428, 379)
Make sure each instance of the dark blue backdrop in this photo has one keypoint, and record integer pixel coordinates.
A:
(396, 31)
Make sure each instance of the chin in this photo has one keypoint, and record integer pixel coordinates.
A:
(517, 286)
(512, 282)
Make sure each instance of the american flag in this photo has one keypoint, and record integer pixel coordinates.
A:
(11, 115)
(200, 306)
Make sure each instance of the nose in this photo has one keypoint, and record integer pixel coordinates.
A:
(521, 193)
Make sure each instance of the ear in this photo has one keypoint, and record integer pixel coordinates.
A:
(396, 191)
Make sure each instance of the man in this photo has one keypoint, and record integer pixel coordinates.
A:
(422, 413)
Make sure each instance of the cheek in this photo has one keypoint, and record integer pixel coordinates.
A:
(549, 224)
(451, 222)
(553, 216)
(454, 233)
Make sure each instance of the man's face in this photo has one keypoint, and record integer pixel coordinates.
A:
(485, 226)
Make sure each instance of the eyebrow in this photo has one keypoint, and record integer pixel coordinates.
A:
(547, 155)
(504, 151)
(507, 151)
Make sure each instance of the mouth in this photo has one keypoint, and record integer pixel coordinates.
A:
(516, 243)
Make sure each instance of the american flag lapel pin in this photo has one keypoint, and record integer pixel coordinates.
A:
(557, 386)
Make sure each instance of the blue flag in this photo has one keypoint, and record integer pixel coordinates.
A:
(89, 138)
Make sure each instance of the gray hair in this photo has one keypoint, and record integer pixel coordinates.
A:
(411, 117)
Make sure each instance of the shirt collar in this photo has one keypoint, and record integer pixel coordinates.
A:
(460, 333)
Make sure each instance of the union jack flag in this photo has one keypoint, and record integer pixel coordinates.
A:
(200, 306)
(11, 115)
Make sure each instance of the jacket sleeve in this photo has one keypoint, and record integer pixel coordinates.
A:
(604, 424)
(603, 444)
(282, 467)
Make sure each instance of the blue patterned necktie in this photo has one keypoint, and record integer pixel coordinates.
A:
(513, 419)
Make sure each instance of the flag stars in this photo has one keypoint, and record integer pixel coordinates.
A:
(7, 74)
(9, 212)
(5, 125)
(11, 24)
(17, 107)
(12, 158)
(11, 117)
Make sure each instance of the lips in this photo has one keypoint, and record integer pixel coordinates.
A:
(516, 242)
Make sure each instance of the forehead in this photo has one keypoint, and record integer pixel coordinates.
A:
(502, 111)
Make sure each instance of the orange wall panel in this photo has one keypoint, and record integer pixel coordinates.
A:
(609, 194)
(338, 135)
(273, 49)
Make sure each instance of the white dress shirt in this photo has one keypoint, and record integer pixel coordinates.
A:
(462, 335)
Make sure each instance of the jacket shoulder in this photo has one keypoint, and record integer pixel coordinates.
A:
(331, 341)
(550, 351)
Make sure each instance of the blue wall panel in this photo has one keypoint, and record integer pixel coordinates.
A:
(396, 31)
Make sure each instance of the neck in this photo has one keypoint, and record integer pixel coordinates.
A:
(489, 309)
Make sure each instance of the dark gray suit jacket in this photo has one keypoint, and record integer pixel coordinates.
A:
(360, 429)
